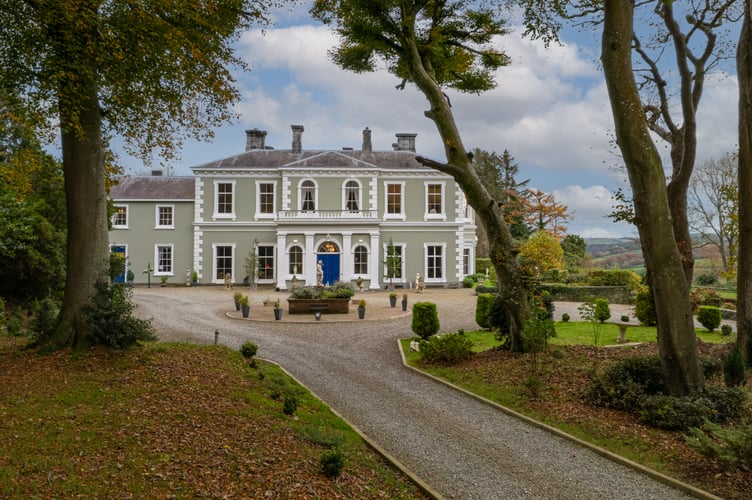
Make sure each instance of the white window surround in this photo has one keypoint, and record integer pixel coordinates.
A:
(158, 219)
(367, 273)
(214, 261)
(117, 217)
(442, 269)
(267, 258)
(217, 214)
(439, 214)
(355, 187)
(301, 266)
(268, 215)
(315, 200)
(401, 214)
(157, 262)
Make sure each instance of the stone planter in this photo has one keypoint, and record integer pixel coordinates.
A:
(326, 306)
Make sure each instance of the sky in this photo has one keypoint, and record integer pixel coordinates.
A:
(550, 110)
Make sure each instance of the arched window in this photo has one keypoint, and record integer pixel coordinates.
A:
(352, 196)
(296, 260)
(360, 255)
(307, 196)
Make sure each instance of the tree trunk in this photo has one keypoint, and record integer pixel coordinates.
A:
(744, 263)
(513, 291)
(676, 336)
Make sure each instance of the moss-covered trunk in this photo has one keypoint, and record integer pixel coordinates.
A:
(676, 336)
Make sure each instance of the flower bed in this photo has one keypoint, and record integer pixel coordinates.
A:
(325, 306)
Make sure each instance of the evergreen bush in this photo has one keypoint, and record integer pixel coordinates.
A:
(446, 349)
(425, 319)
(645, 307)
(731, 446)
(726, 330)
(468, 282)
(565, 317)
(249, 349)
(602, 310)
(483, 305)
(332, 462)
(733, 368)
(110, 315)
(290, 404)
(709, 317)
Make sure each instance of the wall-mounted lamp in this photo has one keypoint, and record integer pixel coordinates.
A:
(360, 241)
(294, 241)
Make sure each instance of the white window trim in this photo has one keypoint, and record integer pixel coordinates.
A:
(156, 216)
(315, 194)
(443, 262)
(214, 261)
(157, 246)
(403, 246)
(470, 262)
(273, 279)
(127, 216)
(218, 215)
(273, 214)
(301, 269)
(401, 215)
(359, 198)
(441, 215)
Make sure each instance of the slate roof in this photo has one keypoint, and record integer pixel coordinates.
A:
(274, 158)
(153, 188)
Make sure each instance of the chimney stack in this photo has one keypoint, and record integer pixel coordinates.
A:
(255, 139)
(367, 147)
(405, 142)
(297, 142)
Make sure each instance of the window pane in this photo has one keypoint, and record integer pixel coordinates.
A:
(266, 201)
(352, 192)
(224, 198)
(308, 195)
(164, 259)
(120, 217)
(433, 261)
(296, 260)
(361, 260)
(394, 199)
(266, 262)
(165, 216)
(434, 199)
(224, 261)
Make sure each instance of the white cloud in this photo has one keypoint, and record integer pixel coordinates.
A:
(590, 207)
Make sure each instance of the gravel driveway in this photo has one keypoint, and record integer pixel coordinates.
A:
(459, 446)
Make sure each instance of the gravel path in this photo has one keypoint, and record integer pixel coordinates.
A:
(460, 447)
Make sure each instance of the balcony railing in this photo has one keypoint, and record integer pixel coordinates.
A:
(287, 215)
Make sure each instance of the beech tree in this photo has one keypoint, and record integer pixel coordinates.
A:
(437, 44)
(152, 72)
(744, 266)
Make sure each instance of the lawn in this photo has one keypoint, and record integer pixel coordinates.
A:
(172, 421)
(565, 372)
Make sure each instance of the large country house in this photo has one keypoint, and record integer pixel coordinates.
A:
(295, 210)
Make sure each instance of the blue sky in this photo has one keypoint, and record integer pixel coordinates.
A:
(550, 110)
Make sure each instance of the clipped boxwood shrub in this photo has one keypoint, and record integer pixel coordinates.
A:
(602, 311)
(645, 307)
(332, 462)
(483, 306)
(467, 282)
(425, 319)
(249, 349)
(446, 349)
(486, 289)
(709, 317)
(733, 368)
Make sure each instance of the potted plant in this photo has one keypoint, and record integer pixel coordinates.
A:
(362, 309)
(244, 307)
(237, 298)
(277, 310)
(129, 277)
(163, 280)
(393, 299)
(404, 302)
(194, 278)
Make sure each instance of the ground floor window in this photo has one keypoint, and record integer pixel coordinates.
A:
(163, 259)
(434, 262)
(224, 261)
(465, 261)
(265, 262)
(296, 260)
(360, 254)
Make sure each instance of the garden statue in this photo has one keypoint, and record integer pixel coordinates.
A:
(228, 281)
(419, 284)
(320, 274)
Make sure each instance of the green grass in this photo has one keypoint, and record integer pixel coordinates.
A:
(581, 333)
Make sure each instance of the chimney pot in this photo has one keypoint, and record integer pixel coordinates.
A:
(367, 146)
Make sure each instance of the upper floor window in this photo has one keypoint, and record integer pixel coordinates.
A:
(395, 204)
(352, 196)
(434, 200)
(308, 195)
(265, 199)
(224, 204)
(296, 260)
(165, 217)
(120, 217)
(163, 258)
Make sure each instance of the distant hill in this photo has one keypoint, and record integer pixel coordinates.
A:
(625, 253)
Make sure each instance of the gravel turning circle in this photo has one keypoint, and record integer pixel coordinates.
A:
(459, 446)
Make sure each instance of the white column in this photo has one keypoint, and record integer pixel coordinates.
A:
(310, 260)
(348, 267)
(376, 267)
(283, 261)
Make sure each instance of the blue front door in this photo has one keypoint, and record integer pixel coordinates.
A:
(330, 263)
(120, 250)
